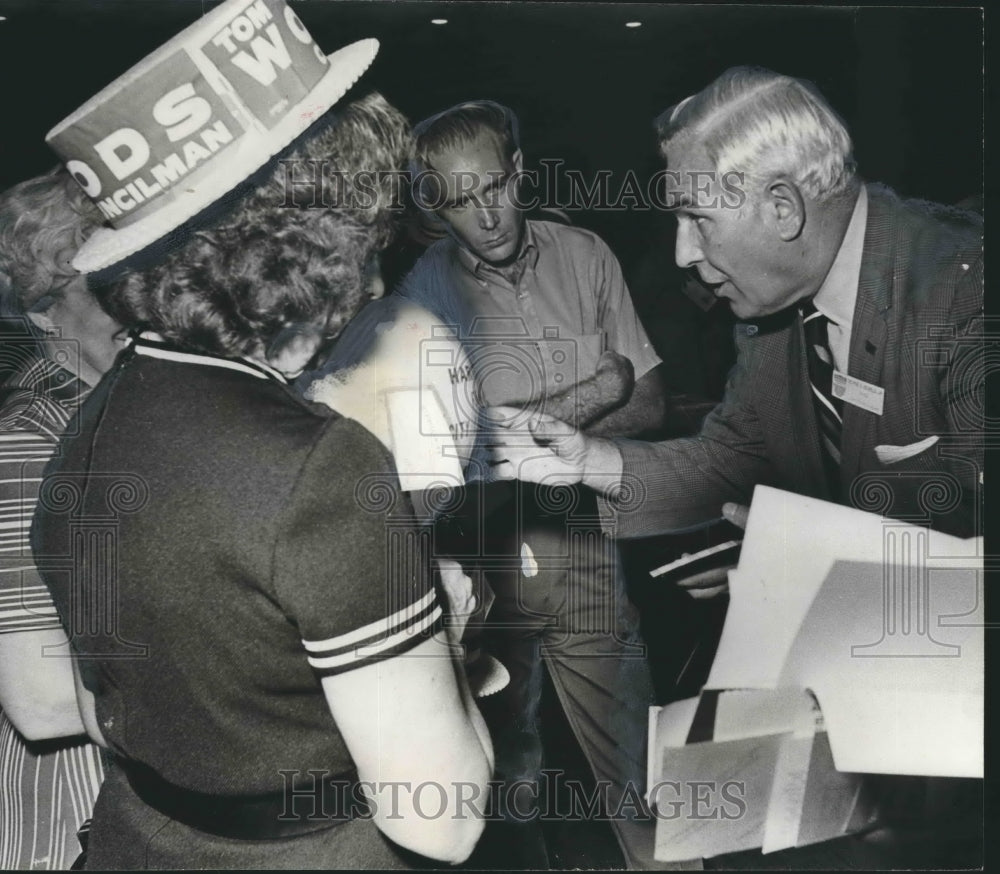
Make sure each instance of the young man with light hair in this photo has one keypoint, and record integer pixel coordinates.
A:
(547, 321)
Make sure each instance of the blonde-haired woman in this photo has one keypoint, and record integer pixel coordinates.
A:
(55, 343)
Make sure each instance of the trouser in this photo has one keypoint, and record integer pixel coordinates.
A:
(561, 603)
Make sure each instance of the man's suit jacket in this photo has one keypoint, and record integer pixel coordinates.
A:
(917, 333)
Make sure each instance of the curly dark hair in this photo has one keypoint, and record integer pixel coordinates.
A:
(273, 260)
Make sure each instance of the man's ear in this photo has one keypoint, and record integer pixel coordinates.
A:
(787, 207)
(518, 161)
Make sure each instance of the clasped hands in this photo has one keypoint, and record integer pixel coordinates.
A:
(535, 447)
(533, 443)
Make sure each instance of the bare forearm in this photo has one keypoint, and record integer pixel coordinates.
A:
(37, 692)
(454, 635)
(457, 586)
(644, 413)
(638, 416)
(585, 402)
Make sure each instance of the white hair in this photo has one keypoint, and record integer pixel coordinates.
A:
(761, 124)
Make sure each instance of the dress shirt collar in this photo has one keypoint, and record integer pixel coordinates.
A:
(838, 293)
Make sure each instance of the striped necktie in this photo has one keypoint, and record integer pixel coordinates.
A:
(829, 410)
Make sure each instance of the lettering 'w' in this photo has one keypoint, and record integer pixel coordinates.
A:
(268, 50)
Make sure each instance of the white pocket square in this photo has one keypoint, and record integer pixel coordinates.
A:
(894, 454)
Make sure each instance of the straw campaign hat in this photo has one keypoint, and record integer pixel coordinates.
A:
(194, 119)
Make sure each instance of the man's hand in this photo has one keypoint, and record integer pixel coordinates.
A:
(737, 514)
(536, 448)
(715, 582)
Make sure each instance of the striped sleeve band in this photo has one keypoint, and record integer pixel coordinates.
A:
(383, 639)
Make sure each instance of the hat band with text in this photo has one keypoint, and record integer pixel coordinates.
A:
(159, 131)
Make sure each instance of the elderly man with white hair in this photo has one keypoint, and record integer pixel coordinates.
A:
(858, 377)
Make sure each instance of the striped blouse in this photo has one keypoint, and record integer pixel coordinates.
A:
(47, 789)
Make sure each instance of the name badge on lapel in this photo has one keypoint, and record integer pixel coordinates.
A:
(859, 393)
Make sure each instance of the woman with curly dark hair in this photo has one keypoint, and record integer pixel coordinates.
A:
(273, 268)
(257, 617)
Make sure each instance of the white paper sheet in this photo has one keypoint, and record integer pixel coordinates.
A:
(900, 684)
(791, 543)
(763, 777)
(882, 621)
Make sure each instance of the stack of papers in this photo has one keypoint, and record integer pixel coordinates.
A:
(742, 769)
(853, 644)
(882, 621)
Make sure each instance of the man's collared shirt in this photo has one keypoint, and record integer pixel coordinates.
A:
(839, 292)
(541, 323)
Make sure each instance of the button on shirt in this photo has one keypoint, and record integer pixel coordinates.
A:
(838, 293)
(541, 323)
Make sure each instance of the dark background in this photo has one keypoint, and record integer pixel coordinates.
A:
(907, 80)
